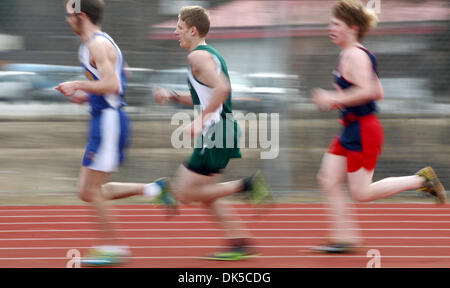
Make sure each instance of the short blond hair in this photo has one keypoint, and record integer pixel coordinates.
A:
(196, 16)
(354, 13)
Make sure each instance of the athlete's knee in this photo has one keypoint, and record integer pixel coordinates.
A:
(85, 195)
(107, 190)
(208, 203)
(181, 195)
(360, 194)
(89, 195)
(326, 181)
(183, 198)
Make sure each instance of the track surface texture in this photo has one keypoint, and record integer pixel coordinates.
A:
(395, 235)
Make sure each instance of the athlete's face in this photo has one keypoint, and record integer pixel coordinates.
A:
(339, 32)
(184, 34)
(73, 19)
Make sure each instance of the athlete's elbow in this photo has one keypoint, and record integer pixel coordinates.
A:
(224, 90)
(380, 95)
(373, 93)
(116, 89)
(377, 93)
(113, 87)
(226, 87)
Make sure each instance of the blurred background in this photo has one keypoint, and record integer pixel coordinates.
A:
(277, 51)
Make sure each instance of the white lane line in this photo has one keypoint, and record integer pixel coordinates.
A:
(260, 257)
(208, 215)
(234, 208)
(216, 246)
(208, 238)
(202, 222)
(217, 229)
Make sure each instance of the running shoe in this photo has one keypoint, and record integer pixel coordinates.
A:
(335, 248)
(233, 254)
(432, 184)
(260, 190)
(105, 256)
(165, 197)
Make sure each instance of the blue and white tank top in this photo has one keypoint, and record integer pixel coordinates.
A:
(100, 102)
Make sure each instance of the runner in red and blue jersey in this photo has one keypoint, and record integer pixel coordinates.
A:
(362, 138)
(353, 155)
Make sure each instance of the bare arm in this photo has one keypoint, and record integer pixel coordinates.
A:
(205, 70)
(357, 69)
(104, 55)
(163, 95)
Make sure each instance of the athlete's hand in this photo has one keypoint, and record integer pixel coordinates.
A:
(325, 100)
(68, 88)
(161, 95)
(319, 98)
(79, 97)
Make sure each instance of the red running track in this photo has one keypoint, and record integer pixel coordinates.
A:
(404, 235)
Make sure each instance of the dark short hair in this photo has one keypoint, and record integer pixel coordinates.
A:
(92, 8)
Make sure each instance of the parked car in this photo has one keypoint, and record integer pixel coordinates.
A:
(138, 91)
(287, 84)
(140, 81)
(46, 78)
(16, 86)
(245, 95)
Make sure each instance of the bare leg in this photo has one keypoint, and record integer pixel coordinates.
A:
(116, 190)
(363, 190)
(186, 187)
(229, 223)
(192, 187)
(90, 190)
(331, 179)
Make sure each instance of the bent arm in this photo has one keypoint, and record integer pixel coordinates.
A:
(183, 97)
(205, 70)
(367, 87)
(104, 56)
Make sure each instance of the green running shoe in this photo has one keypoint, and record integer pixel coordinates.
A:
(260, 189)
(234, 254)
